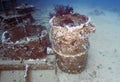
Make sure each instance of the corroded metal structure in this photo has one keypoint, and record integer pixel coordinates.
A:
(70, 42)
(21, 37)
(26, 43)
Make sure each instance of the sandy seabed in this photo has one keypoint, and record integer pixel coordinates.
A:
(103, 58)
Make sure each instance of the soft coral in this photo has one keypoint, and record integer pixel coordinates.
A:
(61, 10)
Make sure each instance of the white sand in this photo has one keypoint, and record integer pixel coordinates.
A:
(103, 59)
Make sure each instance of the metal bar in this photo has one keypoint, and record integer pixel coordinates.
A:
(31, 67)
(27, 74)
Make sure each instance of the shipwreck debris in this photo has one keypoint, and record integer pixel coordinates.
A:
(70, 32)
(22, 14)
(21, 38)
(31, 43)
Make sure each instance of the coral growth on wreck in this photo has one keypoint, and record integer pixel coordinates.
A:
(61, 10)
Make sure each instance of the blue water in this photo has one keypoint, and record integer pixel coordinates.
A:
(107, 4)
(94, 3)
(111, 5)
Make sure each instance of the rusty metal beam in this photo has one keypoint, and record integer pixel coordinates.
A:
(31, 67)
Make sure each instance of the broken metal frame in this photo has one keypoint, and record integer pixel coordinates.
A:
(28, 68)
